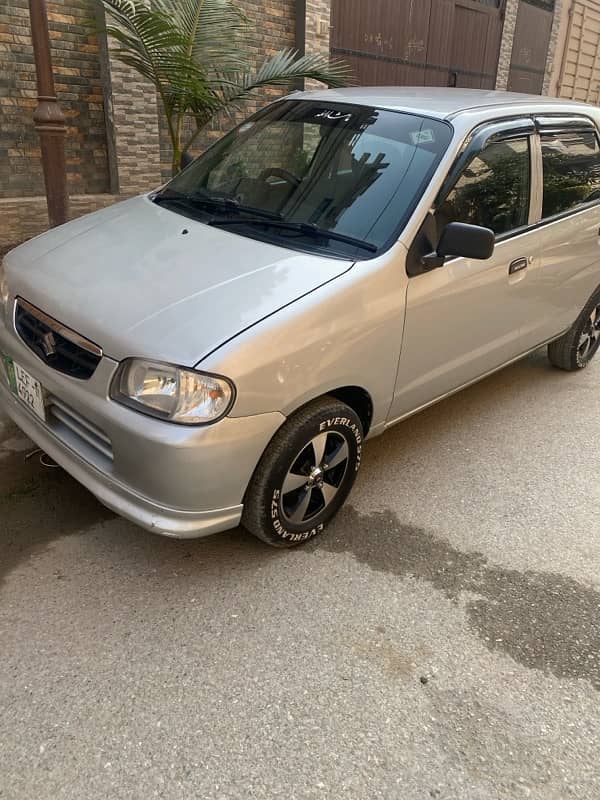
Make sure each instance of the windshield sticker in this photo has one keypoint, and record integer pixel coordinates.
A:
(424, 136)
(328, 113)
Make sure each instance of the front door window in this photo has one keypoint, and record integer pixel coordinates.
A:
(494, 189)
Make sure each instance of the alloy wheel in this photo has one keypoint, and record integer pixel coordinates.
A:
(315, 477)
(589, 341)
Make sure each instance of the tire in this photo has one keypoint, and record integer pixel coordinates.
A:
(294, 491)
(576, 348)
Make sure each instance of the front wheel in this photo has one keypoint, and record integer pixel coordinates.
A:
(305, 474)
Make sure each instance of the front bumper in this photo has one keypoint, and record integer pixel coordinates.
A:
(174, 480)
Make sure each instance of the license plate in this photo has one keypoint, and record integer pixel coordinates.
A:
(26, 387)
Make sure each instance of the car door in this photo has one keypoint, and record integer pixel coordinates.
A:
(569, 228)
(465, 318)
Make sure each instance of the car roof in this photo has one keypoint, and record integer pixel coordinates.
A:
(440, 102)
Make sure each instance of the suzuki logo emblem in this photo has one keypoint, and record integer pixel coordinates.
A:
(49, 345)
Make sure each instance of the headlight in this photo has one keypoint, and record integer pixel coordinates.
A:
(172, 393)
(3, 291)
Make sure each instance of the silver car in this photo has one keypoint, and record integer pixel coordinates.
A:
(217, 351)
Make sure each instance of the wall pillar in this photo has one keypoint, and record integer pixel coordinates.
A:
(132, 121)
(313, 30)
(553, 46)
(506, 46)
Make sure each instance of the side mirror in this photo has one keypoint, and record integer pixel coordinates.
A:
(461, 240)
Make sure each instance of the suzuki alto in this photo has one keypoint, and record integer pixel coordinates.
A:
(216, 352)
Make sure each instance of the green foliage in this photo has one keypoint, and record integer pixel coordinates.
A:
(497, 197)
(196, 54)
(566, 186)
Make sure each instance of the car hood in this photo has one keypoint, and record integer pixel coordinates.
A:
(141, 280)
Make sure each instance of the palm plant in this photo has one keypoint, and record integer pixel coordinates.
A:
(195, 53)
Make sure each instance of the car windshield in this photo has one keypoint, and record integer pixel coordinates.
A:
(315, 176)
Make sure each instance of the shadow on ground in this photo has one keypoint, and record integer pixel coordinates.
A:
(38, 506)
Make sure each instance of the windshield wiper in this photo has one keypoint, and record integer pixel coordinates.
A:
(306, 228)
(248, 215)
(194, 201)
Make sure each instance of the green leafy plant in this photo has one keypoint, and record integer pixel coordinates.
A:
(196, 54)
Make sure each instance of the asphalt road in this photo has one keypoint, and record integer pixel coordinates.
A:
(442, 640)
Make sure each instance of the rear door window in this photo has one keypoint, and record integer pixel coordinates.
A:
(571, 162)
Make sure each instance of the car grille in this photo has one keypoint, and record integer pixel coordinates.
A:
(79, 433)
(58, 346)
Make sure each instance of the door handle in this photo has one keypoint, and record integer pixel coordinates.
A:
(517, 265)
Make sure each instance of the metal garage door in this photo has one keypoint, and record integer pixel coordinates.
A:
(419, 42)
(530, 46)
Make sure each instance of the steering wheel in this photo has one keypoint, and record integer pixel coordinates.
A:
(279, 172)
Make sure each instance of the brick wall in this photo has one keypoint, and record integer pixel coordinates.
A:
(273, 27)
(134, 121)
(79, 89)
(117, 141)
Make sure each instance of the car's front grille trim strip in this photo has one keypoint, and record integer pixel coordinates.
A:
(56, 345)
(62, 330)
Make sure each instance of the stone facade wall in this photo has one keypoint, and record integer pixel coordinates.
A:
(134, 120)
(318, 29)
(117, 139)
(75, 54)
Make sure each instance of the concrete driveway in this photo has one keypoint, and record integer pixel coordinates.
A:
(442, 640)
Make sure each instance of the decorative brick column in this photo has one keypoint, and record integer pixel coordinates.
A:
(318, 26)
(552, 47)
(132, 121)
(508, 35)
(313, 28)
